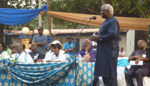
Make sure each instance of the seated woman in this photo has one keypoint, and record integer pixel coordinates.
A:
(2, 48)
(57, 55)
(88, 54)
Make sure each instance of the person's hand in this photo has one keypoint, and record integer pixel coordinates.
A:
(137, 61)
(39, 60)
(48, 61)
(87, 57)
(95, 38)
(137, 56)
(120, 55)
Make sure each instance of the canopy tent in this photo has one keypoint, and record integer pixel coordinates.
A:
(126, 23)
(19, 16)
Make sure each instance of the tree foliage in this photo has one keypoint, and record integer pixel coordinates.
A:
(126, 8)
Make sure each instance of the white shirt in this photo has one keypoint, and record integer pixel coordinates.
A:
(4, 53)
(122, 53)
(28, 50)
(23, 57)
(52, 57)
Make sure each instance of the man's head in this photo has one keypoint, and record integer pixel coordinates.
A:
(69, 39)
(40, 30)
(10, 46)
(106, 11)
(121, 48)
(141, 44)
(19, 48)
(34, 47)
(13, 49)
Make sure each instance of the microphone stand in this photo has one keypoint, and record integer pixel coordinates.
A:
(75, 57)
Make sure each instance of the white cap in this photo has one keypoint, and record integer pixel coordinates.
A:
(55, 42)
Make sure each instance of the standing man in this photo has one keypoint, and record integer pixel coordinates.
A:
(70, 46)
(35, 54)
(107, 47)
(40, 40)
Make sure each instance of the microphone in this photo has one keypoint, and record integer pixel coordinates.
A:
(94, 17)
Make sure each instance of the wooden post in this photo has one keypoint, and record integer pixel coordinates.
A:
(148, 48)
(48, 17)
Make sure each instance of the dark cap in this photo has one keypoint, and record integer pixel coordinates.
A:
(40, 27)
(68, 37)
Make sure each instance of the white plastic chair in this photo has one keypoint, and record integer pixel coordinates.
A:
(120, 77)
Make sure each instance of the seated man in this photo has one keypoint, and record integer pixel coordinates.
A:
(35, 54)
(57, 55)
(21, 56)
(138, 71)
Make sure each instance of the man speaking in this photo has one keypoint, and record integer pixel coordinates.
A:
(107, 47)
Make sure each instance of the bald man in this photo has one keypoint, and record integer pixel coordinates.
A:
(107, 47)
(35, 54)
(138, 71)
(20, 56)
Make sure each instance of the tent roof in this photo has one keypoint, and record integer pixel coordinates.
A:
(127, 23)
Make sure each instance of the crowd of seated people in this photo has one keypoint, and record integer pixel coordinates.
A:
(55, 52)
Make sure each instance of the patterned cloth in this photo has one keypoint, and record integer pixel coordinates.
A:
(37, 74)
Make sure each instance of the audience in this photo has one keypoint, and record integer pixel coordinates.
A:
(69, 46)
(13, 49)
(88, 54)
(20, 56)
(57, 55)
(122, 53)
(138, 71)
(2, 48)
(35, 54)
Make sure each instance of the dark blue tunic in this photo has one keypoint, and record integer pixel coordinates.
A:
(107, 49)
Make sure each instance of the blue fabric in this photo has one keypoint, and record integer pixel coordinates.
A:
(52, 74)
(122, 62)
(36, 74)
(40, 39)
(67, 44)
(85, 73)
(19, 16)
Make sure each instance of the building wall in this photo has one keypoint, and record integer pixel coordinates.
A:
(15, 40)
(130, 41)
(122, 43)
